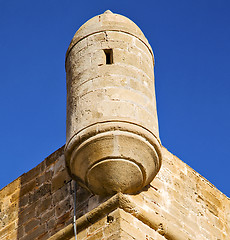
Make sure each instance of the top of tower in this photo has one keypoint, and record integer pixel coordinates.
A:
(108, 21)
(108, 11)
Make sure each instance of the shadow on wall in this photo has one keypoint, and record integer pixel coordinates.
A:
(45, 204)
(39, 203)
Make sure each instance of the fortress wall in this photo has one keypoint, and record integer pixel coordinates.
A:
(178, 204)
(39, 203)
(181, 204)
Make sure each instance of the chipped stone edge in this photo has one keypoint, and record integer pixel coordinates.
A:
(121, 201)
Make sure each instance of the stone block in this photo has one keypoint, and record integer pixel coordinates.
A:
(95, 235)
(47, 215)
(97, 37)
(44, 205)
(29, 187)
(62, 207)
(59, 180)
(53, 157)
(32, 174)
(119, 36)
(30, 225)
(35, 233)
(10, 188)
(40, 192)
(8, 228)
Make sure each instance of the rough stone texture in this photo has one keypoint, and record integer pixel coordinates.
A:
(178, 204)
(112, 142)
(29, 205)
(119, 225)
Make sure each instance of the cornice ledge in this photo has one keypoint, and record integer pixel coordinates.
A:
(154, 220)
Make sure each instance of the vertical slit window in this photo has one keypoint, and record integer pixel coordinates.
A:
(108, 56)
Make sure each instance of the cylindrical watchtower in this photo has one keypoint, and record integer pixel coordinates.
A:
(112, 142)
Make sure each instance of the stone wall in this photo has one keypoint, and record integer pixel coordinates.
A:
(37, 201)
(178, 204)
(181, 204)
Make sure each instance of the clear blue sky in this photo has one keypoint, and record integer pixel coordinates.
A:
(191, 43)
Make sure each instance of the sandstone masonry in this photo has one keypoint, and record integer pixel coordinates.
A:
(178, 204)
(112, 138)
(128, 185)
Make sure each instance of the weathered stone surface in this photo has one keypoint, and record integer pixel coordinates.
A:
(112, 140)
(177, 204)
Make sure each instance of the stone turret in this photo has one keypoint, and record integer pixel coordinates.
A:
(112, 146)
(112, 138)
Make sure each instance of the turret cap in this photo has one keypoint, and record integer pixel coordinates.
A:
(108, 21)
